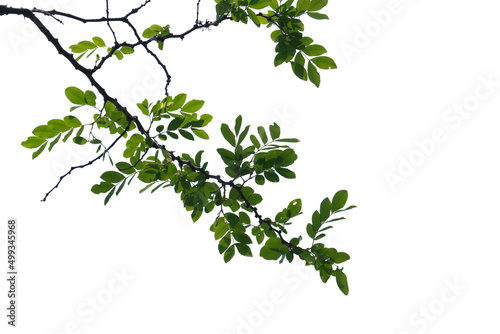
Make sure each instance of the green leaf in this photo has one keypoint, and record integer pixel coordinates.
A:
(54, 142)
(125, 167)
(98, 41)
(303, 5)
(268, 254)
(33, 142)
(260, 180)
(339, 200)
(317, 5)
(285, 172)
(316, 220)
(259, 4)
(58, 125)
(324, 62)
(318, 16)
(342, 281)
(262, 134)
(206, 118)
(112, 176)
(255, 141)
(127, 50)
(325, 209)
(310, 231)
(39, 151)
(102, 187)
(243, 238)
(75, 95)
(237, 124)
(244, 250)
(72, 121)
(90, 98)
(228, 255)
(299, 70)
(193, 106)
(314, 50)
(67, 135)
(221, 229)
(44, 131)
(186, 134)
(274, 130)
(228, 134)
(313, 74)
(253, 17)
(79, 140)
(87, 45)
(288, 140)
(271, 176)
(255, 199)
(200, 133)
(178, 101)
(148, 33)
(106, 200)
(340, 257)
(118, 54)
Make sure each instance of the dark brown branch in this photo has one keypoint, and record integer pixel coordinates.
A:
(88, 163)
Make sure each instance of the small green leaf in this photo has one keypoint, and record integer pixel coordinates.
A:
(317, 5)
(228, 255)
(90, 98)
(339, 200)
(186, 134)
(237, 124)
(314, 50)
(260, 180)
(340, 257)
(285, 172)
(44, 131)
(271, 176)
(54, 142)
(193, 106)
(299, 70)
(318, 16)
(106, 200)
(310, 231)
(33, 142)
(325, 209)
(58, 125)
(262, 134)
(324, 62)
(79, 140)
(118, 54)
(244, 250)
(255, 199)
(72, 121)
(268, 254)
(316, 220)
(342, 281)
(313, 74)
(255, 141)
(253, 17)
(228, 134)
(127, 50)
(200, 133)
(303, 5)
(98, 41)
(112, 176)
(178, 101)
(39, 151)
(75, 95)
(274, 130)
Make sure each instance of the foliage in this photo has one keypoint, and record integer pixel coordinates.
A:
(252, 157)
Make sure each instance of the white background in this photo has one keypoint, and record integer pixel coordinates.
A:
(435, 228)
